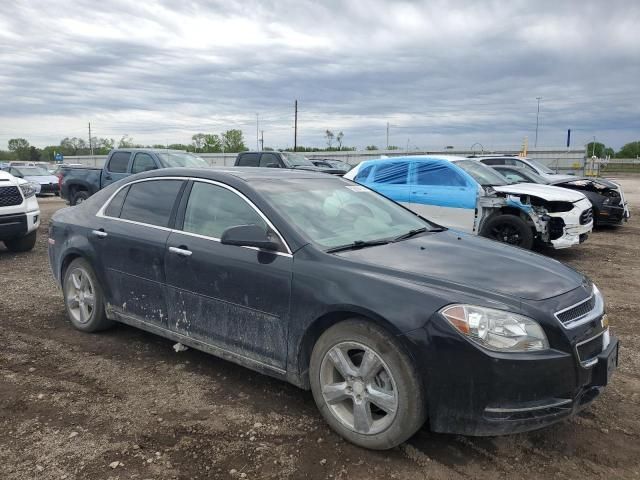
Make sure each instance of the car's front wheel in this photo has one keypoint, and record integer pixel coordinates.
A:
(83, 297)
(509, 229)
(366, 386)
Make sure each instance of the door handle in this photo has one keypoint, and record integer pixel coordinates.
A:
(183, 252)
(99, 233)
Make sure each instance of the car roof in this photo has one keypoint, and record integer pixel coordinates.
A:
(155, 150)
(248, 174)
(413, 158)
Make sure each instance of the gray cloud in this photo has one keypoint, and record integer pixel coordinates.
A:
(439, 72)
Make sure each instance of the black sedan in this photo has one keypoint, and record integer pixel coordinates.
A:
(609, 205)
(389, 319)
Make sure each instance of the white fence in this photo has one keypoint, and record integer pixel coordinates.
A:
(560, 160)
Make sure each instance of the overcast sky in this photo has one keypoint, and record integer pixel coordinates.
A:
(441, 72)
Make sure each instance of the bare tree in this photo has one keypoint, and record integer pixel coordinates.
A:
(339, 138)
(329, 136)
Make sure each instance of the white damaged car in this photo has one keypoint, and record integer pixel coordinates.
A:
(465, 195)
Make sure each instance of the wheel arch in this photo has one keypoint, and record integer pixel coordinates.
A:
(326, 321)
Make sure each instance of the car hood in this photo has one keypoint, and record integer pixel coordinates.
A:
(546, 192)
(42, 178)
(454, 260)
(7, 179)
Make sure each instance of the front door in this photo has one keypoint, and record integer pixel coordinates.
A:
(391, 180)
(235, 298)
(131, 237)
(441, 194)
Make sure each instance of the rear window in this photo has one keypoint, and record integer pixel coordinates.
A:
(115, 206)
(248, 160)
(119, 162)
(151, 202)
(267, 159)
(493, 161)
(392, 173)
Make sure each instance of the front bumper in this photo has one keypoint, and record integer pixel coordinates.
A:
(612, 215)
(49, 188)
(573, 232)
(472, 391)
(18, 224)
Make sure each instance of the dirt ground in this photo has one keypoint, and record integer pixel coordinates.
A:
(122, 404)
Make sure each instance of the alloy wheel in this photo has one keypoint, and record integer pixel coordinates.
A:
(80, 295)
(359, 388)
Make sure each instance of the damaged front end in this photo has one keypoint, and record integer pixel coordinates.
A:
(556, 223)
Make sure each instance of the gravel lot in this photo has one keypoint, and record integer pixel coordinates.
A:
(122, 404)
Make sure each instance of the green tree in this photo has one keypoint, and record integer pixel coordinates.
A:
(629, 150)
(212, 143)
(126, 142)
(197, 141)
(73, 146)
(233, 141)
(20, 147)
(595, 148)
(371, 147)
(34, 154)
(393, 147)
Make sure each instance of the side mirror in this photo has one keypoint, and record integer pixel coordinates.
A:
(273, 165)
(249, 236)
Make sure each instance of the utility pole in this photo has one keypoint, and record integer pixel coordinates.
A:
(90, 141)
(387, 135)
(537, 116)
(261, 140)
(593, 147)
(295, 127)
(257, 128)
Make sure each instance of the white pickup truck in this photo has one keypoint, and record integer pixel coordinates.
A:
(19, 213)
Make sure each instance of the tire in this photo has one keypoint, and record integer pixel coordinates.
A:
(395, 382)
(79, 197)
(79, 284)
(509, 229)
(22, 244)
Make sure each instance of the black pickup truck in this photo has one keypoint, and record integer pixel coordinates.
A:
(79, 183)
(289, 160)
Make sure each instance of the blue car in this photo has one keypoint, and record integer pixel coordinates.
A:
(466, 195)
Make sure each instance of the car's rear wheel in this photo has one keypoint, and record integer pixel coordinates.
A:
(509, 229)
(22, 244)
(366, 386)
(83, 297)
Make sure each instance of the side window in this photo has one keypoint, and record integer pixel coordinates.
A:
(433, 173)
(115, 207)
(268, 158)
(363, 174)
(119, 162)
(142, 162)
(513, 175)
(151, 202)
(212, 209)
(392, 173)
(493, 161)
(248, 160)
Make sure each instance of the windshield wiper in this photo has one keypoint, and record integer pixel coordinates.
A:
(357, 244)
(410, 233)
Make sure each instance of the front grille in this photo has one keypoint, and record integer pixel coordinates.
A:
(578, 311)
(10, 196)
(590, 349)
(586, 216)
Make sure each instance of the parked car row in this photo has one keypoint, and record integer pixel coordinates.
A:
(19, 212)
(388, 318)
(45, 182)
(499, 203)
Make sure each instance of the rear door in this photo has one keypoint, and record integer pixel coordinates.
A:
(442, 194)
(117, 168)
(234, 298)
(131, 238)
(390, 179)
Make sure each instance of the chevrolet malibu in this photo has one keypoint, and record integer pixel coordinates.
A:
(389, 319)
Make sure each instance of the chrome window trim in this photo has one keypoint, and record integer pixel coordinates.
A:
(597, 311)
(100, 213)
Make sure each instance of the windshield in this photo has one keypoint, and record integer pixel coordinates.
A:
(541, 167)
(482, 174)
(31, 171)
(335, 212)
(182, 159)
(297, 159)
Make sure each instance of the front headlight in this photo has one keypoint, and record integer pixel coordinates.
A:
(28, 189)
(496, 329)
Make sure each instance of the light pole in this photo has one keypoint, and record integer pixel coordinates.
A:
(537, 117)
